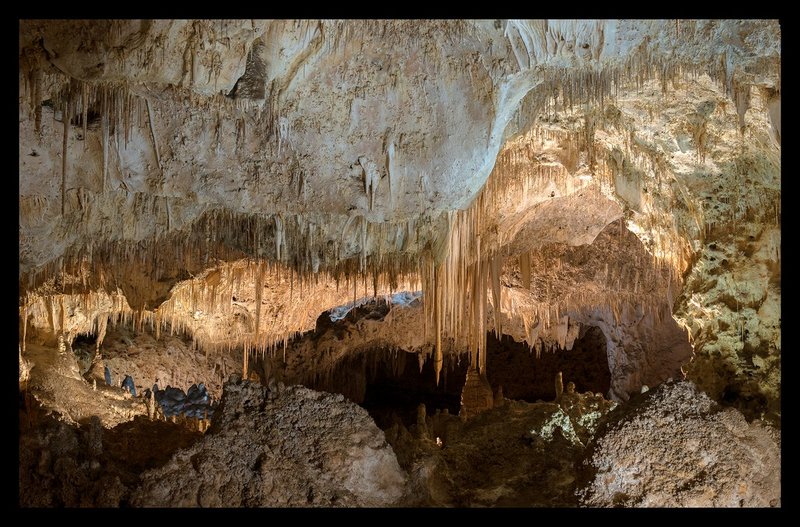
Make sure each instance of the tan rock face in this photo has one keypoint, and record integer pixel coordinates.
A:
(284, 447)
(168, 167)
(676, 448)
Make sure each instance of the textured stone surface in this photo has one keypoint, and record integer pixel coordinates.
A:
(169, 360)
(234, 179)
(65, 465)
(476, 396)
(675, 447)
(56, 383)
(289, 446)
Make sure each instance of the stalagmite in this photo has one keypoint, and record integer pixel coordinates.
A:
(559, 386)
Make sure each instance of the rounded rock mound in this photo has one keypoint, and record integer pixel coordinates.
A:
(290, 446)
(675, 447)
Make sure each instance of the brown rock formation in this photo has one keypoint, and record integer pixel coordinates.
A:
(290, 447)
(195, 195)
(477, 396)
(675, 447)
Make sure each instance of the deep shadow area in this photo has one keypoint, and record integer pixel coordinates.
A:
(390, 386)
(143, 444)
(67, 465)
(523, 376)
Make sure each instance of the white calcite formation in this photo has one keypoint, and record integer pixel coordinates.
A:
(234, 179)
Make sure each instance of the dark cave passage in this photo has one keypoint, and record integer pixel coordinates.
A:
(523, 376)
(401, 394)
(389, 385)
(85, 348)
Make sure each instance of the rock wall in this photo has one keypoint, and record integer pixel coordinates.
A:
(169, 360)
(64, 465)
(56, 383)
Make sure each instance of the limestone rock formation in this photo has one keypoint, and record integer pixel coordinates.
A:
(477, 396)
(56, 383)
(167, 360)
(286, 447)
(675, 447)
(196, 197)
(326, 147)
(65, 465)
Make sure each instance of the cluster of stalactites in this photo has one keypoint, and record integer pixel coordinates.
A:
(70, 315)
(457, 271)
(226, 290)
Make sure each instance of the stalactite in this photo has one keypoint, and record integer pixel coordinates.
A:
(468, 253)
(65, 119)
(525, 269)
(24, 327)
(152, 124)
(497, 266)
(437, 361)
(101, 330)
(85, 112)
(741, 96)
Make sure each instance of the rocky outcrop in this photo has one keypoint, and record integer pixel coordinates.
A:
(675, 447)
(288, 446)
(56, 383)
(732, 306)
(285, 446)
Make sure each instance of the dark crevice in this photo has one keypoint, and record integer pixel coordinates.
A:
(523, 376)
